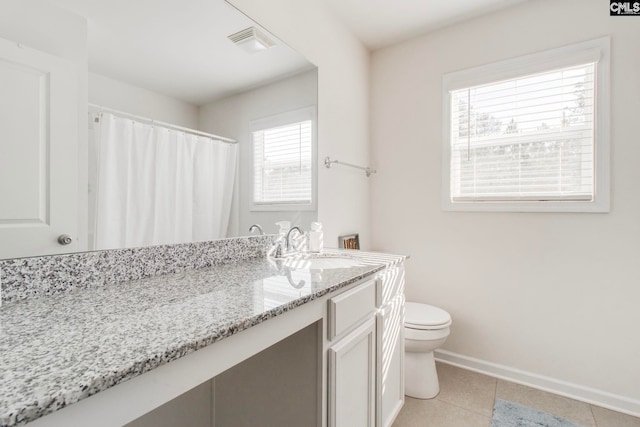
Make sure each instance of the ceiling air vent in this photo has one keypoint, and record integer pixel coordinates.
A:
(252, 40)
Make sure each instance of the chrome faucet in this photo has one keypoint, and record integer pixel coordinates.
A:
(256, 226)
(288, 240)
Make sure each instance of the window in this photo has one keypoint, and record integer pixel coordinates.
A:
(529, 134)
(283, 167)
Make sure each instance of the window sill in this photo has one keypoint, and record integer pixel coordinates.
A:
(282, 207)
(533, 206)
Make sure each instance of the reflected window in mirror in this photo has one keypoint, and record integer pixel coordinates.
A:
(283, 161)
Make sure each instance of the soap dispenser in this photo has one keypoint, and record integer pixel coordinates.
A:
(281, 242)
(316, 238)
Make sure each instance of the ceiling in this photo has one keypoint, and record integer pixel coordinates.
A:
(380, 23)
(179, 47)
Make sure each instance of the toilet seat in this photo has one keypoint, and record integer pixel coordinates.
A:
(425, 317)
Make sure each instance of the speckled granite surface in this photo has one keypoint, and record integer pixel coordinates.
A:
(23, 278)
(59, 349)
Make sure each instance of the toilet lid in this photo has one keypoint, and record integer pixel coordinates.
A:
(423, 316)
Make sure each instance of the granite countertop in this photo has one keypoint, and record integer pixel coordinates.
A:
(59, 349)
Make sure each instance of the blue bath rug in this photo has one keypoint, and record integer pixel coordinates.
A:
(509, 414)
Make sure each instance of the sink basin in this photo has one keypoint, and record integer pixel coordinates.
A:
(305, 262)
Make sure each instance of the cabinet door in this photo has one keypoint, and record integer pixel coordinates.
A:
(390, 362)
(352, 382)
(38, 152)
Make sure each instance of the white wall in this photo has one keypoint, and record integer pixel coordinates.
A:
(45, 27)
(552, 294)
(231, 117)
(343, 105)
(107, 92)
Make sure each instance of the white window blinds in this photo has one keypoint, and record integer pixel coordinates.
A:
(529, 138)
(282, 164)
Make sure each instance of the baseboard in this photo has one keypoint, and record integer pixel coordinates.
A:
(552, 385)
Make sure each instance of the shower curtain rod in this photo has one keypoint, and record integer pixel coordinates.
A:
(163, 124)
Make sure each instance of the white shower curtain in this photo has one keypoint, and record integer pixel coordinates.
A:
(160, 186)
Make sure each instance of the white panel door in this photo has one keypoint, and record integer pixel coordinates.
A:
(38, 151)
(390, 361)
(352, 378)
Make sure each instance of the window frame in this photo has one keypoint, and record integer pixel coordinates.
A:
(588, 51)
(283, 119)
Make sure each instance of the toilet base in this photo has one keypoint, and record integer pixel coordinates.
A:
(421, 378)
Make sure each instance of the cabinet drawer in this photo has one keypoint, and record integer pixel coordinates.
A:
(348, 308)
(390, 284)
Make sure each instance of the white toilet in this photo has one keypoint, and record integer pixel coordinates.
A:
(426, 328)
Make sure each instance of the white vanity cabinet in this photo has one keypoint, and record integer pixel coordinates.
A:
(334, 361)
(366, 353)
(352, 357)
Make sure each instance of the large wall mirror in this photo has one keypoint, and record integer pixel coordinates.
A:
(128, 124)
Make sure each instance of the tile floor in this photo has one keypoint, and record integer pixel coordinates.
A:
(466, 400)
